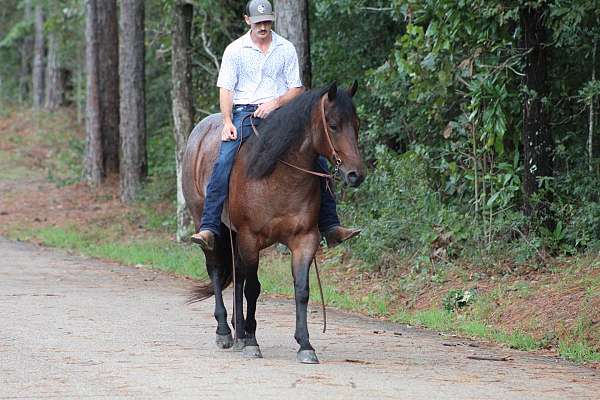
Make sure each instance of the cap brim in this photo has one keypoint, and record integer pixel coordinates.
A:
(262, 18)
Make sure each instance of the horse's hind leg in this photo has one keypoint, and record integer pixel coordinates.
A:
(246, 284)
(218, 264)
(303, 251)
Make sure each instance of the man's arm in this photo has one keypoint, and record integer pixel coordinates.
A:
(265, 108)
(226, 104)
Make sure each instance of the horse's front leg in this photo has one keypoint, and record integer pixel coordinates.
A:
(303, 249)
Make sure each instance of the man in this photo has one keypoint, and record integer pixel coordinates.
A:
(259, 73)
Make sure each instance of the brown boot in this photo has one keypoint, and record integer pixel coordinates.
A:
(338, 234)
(205, 238)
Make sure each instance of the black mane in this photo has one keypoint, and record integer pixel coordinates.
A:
(282, 129)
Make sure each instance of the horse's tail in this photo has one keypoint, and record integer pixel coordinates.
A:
(201, 292)
(206, 289)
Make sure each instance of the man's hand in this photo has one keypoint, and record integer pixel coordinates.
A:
(229, 132)
(266, 108)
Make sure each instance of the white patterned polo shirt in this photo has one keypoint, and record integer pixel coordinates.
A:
(254, 77)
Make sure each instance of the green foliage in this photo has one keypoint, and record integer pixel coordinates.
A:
(398, 211)
(20, 30)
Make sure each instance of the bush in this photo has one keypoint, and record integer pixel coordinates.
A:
(400, 214)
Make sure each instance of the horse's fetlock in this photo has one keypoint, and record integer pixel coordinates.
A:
(220, 315)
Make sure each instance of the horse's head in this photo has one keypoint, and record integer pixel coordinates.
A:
(337, 138)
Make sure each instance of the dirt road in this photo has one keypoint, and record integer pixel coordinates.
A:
(72, 327)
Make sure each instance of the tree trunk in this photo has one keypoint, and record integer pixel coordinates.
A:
(132, 127)
(93, 151)
(108, 75)
(591, 116)
(26, 53)
(183, 114)
(55, 91)
(537, 138)
(38, 59)
(292, 24)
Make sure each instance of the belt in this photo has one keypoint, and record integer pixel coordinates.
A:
(245, 107)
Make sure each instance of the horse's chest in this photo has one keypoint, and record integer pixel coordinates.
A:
(269, 205)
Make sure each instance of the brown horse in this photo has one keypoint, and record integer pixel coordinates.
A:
(271, 201)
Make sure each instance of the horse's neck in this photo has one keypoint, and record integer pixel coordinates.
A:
(302, 156)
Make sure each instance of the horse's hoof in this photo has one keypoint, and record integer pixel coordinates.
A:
(239, 344)
(224, 341)
(307, 357)
(252, 352)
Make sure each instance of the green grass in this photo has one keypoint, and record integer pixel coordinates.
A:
(153, 253)
(577, 351)
(440, 320)
(445, 321)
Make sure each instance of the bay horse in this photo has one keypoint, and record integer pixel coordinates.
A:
(271, 201)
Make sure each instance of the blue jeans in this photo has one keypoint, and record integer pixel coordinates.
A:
(218, 185)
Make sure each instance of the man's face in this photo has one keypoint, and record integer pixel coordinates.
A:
(261, 29)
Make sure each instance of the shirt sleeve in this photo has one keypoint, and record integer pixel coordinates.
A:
(228, 73)
(292, 70)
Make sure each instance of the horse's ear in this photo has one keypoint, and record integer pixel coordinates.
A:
(353, 89)
(332, 91)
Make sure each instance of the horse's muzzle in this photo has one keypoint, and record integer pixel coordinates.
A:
(353, 178)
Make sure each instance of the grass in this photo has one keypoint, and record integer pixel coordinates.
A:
(154, 253)
(578, 351)
(445, 321)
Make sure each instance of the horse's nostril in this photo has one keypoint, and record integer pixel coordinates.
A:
(353, 178)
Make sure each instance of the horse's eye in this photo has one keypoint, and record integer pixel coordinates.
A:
(333, 127)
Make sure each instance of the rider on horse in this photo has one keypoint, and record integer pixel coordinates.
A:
(259, 73)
